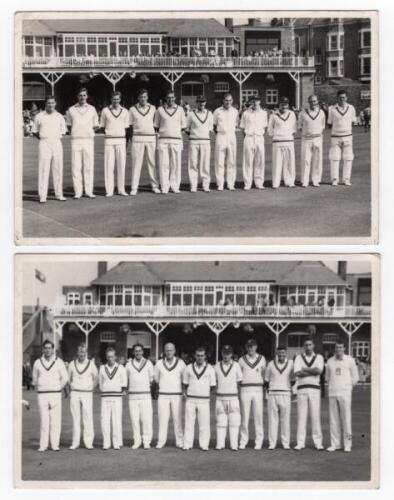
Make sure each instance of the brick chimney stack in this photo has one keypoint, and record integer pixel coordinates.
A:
(102, 268)
(229, 23)
(342, 269)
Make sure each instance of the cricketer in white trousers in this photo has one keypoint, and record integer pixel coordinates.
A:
(279, 409)
(169, 156)
(138, 149)
(111, 416)
(227, 414)
(283, 163)
(251, 398)
(341, 148)
(50, 154)
(340, 408)
(253, 166)
(309, 398)
(201, 409)
(82, 401)
(170, 405)
(199, 163)
(82, 165)
(141, 415)
(114, 153)
(311, 160)
(225, 159)
(50, 406)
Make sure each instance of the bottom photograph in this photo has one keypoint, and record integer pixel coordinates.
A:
(174, 370)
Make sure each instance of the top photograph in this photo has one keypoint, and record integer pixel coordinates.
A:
(195, 128)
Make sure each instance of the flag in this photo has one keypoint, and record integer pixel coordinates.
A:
(40, 276)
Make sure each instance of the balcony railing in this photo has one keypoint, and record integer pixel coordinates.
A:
(239, 312)
(164, 62)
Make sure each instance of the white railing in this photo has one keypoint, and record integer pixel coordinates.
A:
(169, 62)
(215, 311)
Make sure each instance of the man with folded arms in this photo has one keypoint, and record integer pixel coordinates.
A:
(112, 383)
(83, 377)
(341, 375)
(49, 379)
(168, 376)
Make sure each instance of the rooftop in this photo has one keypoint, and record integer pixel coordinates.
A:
(171, 27)
(279, 272)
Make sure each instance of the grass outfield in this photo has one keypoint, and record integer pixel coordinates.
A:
(172, 464)
(324, 212)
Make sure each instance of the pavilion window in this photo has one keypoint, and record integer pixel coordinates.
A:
(118, 295)
(203, 46)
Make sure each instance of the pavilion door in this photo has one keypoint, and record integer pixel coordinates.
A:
(112, 49)
(190, 91)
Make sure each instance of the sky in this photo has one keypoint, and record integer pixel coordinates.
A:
(59, 273)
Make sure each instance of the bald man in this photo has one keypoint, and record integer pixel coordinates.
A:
(168, 376)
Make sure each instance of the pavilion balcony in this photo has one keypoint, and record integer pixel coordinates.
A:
(195, 312)
(141, 63)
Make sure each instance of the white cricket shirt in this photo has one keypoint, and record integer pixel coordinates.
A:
(252, 372)
(228, 376)
(49, 376)
(112, 380)
(303, 361)
(341, 375)
(169, 376)
(311, 123)
(341, 120)
(279, 376)
(225, 120)
(199, 124)
(282, 127)
(199, 380)
(140, 377)
(82, 120)
(142, 122)
(50, 126)
(82, 376)
(170, 123)
(254, 122)
(115, 122)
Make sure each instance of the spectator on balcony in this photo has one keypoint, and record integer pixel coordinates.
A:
(234, 53)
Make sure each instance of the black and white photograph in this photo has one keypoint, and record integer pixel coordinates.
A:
(196, 370)
(196, 126)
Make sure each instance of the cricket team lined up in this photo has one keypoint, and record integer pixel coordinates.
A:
(185, 393)
(157, 136)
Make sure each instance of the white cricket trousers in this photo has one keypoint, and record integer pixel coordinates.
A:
(170, 405)
(251, 399)
(225, 160)
(341, 148)
(199, 407)
(81, 403)
(50, 154)
(309, 399)
(111, 421)
(141, 416)
(138, 150)
(311, 160)
(228, 414)
(279, 408)
(114, 153)
(50, 407)
(82, 165)
(283, 163)
(170, 157)
(253, 165)
(199, 163)
(340, 408)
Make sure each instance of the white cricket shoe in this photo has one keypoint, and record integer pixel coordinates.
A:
(347, 183)
(41, 450)
(91, 196)
(156, 190)
(133, 192)
(298, 448)
(61, 198)
(136, 446)
(334, 183)
(271, 447)
(73, 447)
(319, 448)
(331, 448)
(123, 193)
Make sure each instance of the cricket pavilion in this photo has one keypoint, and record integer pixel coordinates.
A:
(190, 56)
(214, 303)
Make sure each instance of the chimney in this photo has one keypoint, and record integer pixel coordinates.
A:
(228, 22)
(102, 268)
(342, 268)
